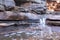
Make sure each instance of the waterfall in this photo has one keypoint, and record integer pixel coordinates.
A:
(42, 24)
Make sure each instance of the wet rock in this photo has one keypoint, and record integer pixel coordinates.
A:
(2, 15)
(6, 35)
(5, 15)
(9, 4)
(8, 14)
(13, 34)
(2, 8)
(24, 35)
(1, 5)
(48, 39)
(15, 16)
(32, 16)
(38, 7)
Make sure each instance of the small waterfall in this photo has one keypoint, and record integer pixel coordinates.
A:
(45, 29)
(42, 22)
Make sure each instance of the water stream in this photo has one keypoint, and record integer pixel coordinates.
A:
(45, 29)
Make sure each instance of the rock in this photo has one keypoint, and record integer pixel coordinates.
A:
(32, 16)
(5, 15)
(9, 3)
(15, 16)
(6, 24)
(19, 2)
(9, 15)
(2, 15)
(2, 8)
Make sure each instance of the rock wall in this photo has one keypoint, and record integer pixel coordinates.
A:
(6, 4)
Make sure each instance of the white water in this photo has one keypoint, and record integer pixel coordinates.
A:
(45, 29)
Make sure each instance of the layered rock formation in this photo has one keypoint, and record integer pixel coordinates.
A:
(10, 11)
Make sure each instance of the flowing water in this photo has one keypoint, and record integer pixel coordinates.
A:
(32, 32)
